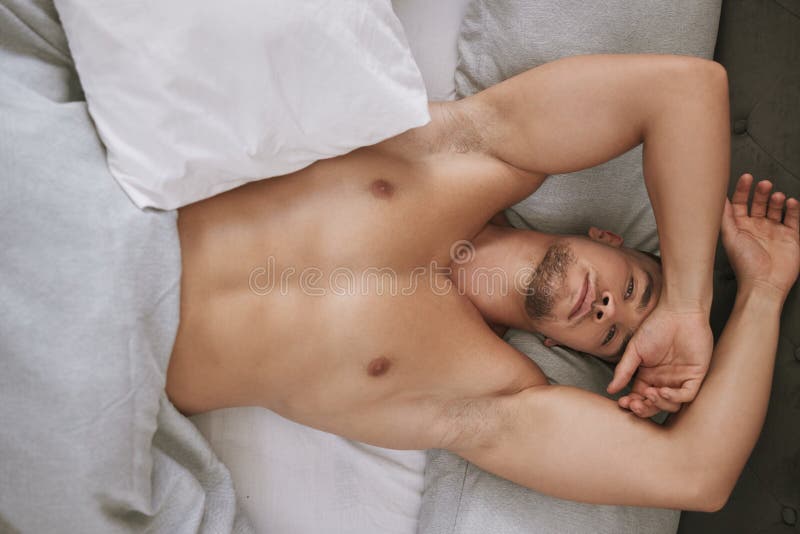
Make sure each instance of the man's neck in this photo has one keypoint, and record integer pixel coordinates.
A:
(496, 276)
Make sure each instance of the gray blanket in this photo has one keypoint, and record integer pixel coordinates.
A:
(89, 287)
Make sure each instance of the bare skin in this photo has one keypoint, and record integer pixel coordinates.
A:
(423, 369)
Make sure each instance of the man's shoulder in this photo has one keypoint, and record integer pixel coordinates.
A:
(481, 354)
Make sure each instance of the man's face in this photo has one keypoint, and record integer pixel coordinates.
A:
(591, 295)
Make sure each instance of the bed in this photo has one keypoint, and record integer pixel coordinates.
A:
(90, 291)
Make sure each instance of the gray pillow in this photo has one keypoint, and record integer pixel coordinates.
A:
(501, 38)
(498, 39)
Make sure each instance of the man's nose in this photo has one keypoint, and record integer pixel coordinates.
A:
(604, 308)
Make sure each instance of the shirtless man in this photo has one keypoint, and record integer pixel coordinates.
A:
(422, 369)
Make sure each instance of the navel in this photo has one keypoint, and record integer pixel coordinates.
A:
(379, 366)
(381, 188)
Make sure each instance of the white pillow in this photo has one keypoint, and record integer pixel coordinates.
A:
(432, 31)
(193, 98)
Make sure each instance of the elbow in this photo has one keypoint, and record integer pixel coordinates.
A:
(712, 80)
(709, 493)
(714, 501)
(715, 506)
(705, 71)
(715, 74)
(697, 78)
(716, 79)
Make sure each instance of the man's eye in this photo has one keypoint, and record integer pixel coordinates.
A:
(610, 335)
(629, 290)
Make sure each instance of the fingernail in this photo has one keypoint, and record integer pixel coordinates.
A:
(665, 395)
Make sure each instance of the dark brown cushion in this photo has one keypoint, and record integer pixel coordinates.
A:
(759, 44)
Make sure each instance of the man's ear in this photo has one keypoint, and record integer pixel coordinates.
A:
(604, 236)
(550, 343)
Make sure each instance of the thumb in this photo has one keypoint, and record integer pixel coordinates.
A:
(624, 370)
(728, 220)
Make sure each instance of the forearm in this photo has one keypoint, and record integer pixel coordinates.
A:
(722, 425)
(686, 169)
(579, 446)
(578, 112)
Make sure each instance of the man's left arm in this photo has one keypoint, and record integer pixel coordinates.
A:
(576, 445)
(582, 111)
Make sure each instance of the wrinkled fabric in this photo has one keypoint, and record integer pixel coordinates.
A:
(89, 304)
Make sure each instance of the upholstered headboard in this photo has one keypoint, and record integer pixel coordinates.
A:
(759, 44)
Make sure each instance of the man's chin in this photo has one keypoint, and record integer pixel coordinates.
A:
(549, 285)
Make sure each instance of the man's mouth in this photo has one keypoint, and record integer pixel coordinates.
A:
(584, 301)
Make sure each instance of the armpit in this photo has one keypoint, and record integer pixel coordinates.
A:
(475, 423)
(460, 130)
(455, 127)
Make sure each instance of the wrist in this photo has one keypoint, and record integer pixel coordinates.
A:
(688, 289)
(676, 299)
(761, 291)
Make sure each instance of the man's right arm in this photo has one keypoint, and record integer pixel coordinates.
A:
(581, 111)
(576, 445)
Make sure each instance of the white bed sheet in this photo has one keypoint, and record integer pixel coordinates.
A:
(291, 479)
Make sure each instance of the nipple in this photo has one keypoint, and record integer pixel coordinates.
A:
(378, 366)
(381, 189)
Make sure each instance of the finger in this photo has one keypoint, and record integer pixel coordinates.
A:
(649, 409)
(625, 402)
(643, 408)
(660, 402)
(792, 219)
(686, 393)
(624, 370)
(636, 394)
(759, 206)
(740, 194)
(775, 209)
(662, 374)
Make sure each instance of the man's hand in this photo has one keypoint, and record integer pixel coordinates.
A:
(670, 346)
(672, 350)
(763, 251)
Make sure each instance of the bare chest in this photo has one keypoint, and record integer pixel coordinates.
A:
(323, 290)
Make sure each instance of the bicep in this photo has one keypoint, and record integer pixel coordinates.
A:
(576, 445)
(576, 112)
